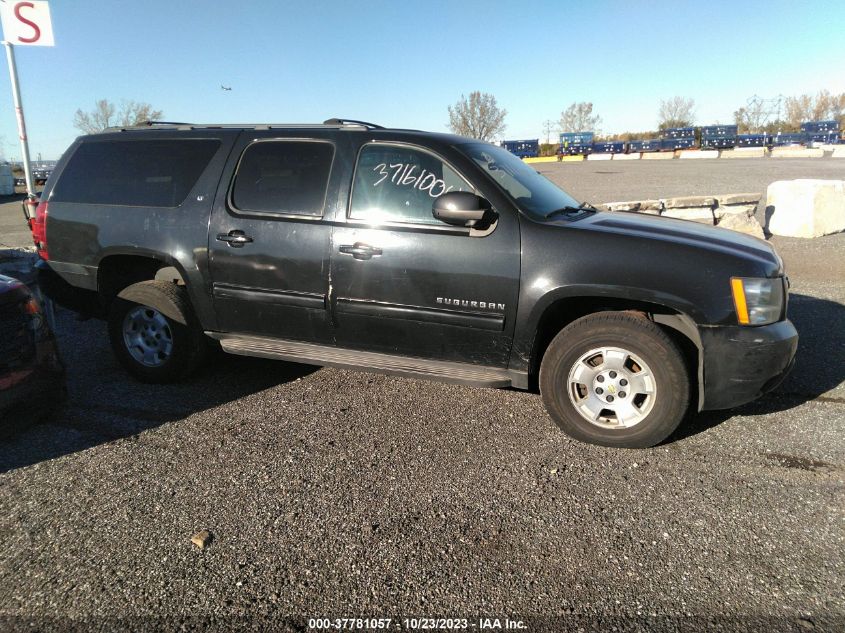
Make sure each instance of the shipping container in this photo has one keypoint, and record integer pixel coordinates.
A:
(575, 149)
(823, 138)
(529, 148)
(576, 138)
(812, 127)
(719, 131)
(789, 138)
(668, 144)
(7, 180)
(609, 147)
(649, 145)
(679, 132)
(753, 140)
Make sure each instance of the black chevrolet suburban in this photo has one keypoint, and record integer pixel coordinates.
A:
(411, 253)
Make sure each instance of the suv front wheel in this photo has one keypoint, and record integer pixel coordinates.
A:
(156, 344)
(615, 379)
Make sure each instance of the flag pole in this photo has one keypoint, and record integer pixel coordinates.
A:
(16, 95)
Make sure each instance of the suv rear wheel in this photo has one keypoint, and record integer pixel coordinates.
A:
(156, 344)
(615, 379)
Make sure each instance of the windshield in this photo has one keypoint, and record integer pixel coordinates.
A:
(534, 193)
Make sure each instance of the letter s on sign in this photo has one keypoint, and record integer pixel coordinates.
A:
(37, 31)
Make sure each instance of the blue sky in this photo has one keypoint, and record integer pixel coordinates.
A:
(402, 63)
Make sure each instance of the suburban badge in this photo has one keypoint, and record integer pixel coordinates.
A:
(479, 305)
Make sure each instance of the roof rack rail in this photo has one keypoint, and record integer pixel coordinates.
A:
(151, 123)
(369, 126)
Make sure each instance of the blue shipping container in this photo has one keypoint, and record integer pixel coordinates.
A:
(820, 126)
(529, 148)
(717, 131)
(718, 142)
(649, 145)
(752, 140)
(576, 138)
(790, 138)
(575, 149)
(609, 147)
(679, 132)
(667, 144)
(824, 137)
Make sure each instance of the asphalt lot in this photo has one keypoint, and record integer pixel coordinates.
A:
(335, 493)
(609, 181)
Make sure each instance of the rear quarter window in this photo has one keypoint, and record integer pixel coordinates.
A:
(146, 173)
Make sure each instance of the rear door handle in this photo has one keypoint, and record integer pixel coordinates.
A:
(359, 250)
(235, 239)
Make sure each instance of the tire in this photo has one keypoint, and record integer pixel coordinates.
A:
(592, 362)
(152, 347)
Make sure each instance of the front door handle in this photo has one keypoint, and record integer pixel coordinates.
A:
(236, 239)
(359, 250)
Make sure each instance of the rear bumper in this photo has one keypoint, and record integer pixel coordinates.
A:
(79, 300)
(743, 363)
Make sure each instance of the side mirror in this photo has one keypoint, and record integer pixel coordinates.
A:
(462, 208)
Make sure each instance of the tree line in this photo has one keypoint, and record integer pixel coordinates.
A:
(479, 116)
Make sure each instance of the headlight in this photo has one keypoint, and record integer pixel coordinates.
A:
(757, 301)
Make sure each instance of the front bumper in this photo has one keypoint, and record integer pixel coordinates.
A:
(32, 391)
(743, 363)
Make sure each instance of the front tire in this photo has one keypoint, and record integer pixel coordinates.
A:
(615, 379)
(150, 345)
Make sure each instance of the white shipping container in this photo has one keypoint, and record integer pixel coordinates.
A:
(7, 180)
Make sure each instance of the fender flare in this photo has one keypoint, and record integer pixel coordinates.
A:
(148, 293)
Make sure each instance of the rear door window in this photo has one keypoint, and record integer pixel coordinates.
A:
(146, 173)
(281, 177)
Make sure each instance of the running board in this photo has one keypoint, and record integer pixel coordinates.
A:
(312, 354)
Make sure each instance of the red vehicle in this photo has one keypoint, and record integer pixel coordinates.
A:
(32, 377)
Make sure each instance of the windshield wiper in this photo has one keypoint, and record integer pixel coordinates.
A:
(570, 210)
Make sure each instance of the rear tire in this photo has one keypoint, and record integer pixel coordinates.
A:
(155, 348)
(615, 379)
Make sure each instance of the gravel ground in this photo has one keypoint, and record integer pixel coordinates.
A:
(340, 494)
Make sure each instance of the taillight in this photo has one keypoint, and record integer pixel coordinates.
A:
(39, 230)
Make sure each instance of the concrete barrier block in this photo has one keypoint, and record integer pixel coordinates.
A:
(698, 153)
(622, 206)
(796, 152)
(658, 155)
(572, 159)
(696, 214)
(742, 223)
(651, 207)
(839, 151)
(634, 156)
(687, 202)
(599, 156)
(744, 152)
(541, 159)
(737, 203)
(734, 209)
(739, 198)
(806, 208)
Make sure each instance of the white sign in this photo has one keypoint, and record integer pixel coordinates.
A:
(27, 22)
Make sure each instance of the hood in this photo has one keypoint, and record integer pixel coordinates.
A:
(684, 232)
(12, 290)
